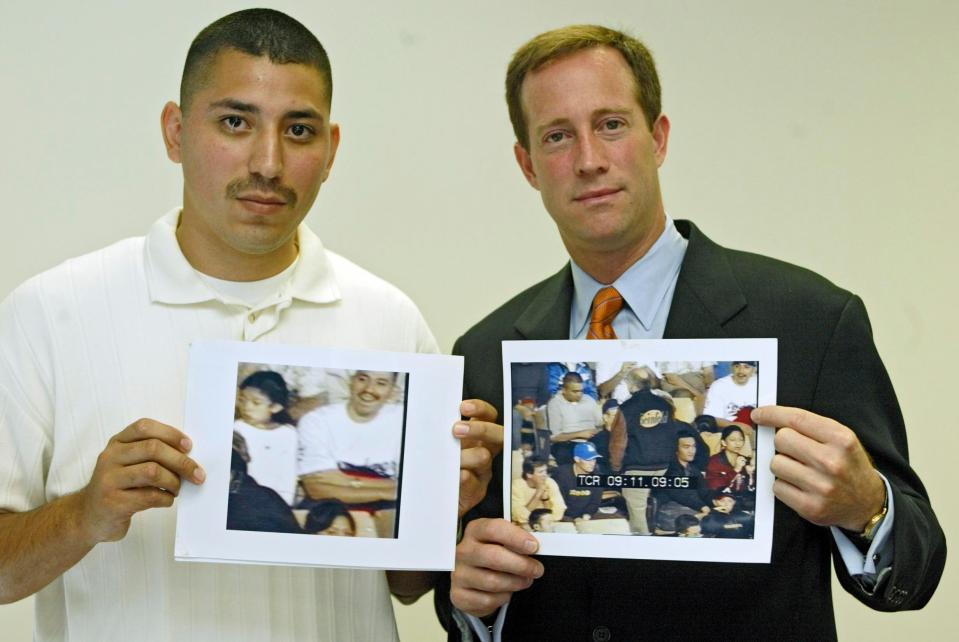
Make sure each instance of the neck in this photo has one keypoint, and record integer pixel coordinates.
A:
(606, 264)
(208, 253)
(355, 416)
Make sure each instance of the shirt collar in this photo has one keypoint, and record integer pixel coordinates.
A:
(643, 285)
(171, 278)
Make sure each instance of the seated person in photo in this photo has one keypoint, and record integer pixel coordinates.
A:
(535, 490)
(581, 502)
(730, 471)
(541, 520)
(330, 517)
(726, 520)
(555, 372)
(350, 451)
(271, 440)
(688, 526)
(694, 499)
(252, 507)
(730, 393)
(571, 415)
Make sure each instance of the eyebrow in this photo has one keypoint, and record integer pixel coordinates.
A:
(249, 108)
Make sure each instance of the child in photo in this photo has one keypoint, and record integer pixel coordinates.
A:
(688, 526)
(266, 427)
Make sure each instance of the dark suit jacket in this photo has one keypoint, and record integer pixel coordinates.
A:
(828, 364)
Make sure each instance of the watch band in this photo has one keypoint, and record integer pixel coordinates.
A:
(869, 531)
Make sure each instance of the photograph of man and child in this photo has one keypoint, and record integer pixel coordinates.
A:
(317, 451)
(583, 435)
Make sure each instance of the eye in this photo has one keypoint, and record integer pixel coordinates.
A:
(555, 137)
(300, 131)
(613, 124)
(233, 123)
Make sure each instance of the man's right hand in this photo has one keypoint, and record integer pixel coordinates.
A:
(140, 468)
(492, 562)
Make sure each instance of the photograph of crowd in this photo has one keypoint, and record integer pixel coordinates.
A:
(317, 451)
(662, 449)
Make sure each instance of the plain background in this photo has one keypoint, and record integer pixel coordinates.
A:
(823, 133)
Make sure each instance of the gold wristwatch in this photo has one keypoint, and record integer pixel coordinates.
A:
(869, 531)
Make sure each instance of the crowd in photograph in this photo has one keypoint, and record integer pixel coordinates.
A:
(316, 451)
(665, 448)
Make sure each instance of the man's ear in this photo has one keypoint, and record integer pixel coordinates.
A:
(525, 163)
(171, 126)
(661, 138)
(334, 145)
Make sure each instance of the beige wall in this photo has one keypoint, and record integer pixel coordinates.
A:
(822, 133)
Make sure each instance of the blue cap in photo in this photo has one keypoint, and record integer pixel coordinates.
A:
(586, 451)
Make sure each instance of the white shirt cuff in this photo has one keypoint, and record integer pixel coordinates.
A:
(880, 553)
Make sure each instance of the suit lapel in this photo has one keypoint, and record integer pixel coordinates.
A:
(547, 316)
(707, 293)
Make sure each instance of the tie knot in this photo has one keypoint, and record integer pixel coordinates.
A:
(606, 305)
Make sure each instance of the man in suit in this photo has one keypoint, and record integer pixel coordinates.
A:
(585, 106)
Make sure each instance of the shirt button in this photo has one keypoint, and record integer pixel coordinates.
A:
(601, 634)
(252, 317)
(875, 558)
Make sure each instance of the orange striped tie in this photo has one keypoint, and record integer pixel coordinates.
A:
(606, 305)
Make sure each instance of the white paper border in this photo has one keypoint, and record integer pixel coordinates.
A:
(755, 550)
(430, 478)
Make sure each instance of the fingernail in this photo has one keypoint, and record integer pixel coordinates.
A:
(538, 573)
(756, 414)
(467, 408)
(461, 429)
(199, 474)
(186, 444)
(531, 545)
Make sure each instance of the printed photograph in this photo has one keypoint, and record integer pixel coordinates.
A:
(641, 449)
(658, 448)
(317, 451)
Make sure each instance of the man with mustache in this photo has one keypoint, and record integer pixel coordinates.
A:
(728, 394)
(350, 451)
(100, 341)
(591, 135)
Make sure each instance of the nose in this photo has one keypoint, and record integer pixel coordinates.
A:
(591, 155)
(266, 157)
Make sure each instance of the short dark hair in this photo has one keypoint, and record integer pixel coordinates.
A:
(321, 516)
(686, 433)
(558, 43)
(537, 514)
(273, 385)
(728, 430)
(685, 521)
(256, 32)
(531, 463)
(572, 377)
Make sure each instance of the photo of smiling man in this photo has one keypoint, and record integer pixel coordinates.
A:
(351, 451)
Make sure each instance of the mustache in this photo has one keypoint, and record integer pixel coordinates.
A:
(257, 183)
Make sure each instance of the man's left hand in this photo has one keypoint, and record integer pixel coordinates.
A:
(481, 439)
(822, 471)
